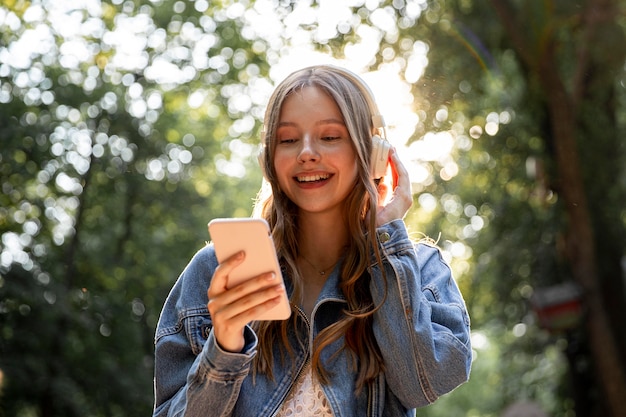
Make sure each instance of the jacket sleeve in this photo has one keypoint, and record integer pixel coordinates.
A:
(422, 327)
(193, 376)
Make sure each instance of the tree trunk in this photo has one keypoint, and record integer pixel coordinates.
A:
(580, 243)
(580, 240)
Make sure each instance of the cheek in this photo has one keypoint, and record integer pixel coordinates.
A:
(353, 164)
(281, 167)
(355, 172)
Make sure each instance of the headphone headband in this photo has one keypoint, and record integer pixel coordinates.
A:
(377, 119)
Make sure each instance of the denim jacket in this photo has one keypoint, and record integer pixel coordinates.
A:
(422, 330)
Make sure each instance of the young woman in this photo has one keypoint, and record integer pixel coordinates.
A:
(378, 325)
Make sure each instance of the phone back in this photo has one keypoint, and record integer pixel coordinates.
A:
(251, 235)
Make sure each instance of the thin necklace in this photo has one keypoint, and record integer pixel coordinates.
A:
(321, 272)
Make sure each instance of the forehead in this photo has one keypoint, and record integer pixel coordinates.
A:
(309, 102)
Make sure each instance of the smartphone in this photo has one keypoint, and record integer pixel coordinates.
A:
(251, 235)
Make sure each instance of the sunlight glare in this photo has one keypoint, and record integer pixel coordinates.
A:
(479, 340)
(290, 41)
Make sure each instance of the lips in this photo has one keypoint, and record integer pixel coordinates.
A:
(312, 178)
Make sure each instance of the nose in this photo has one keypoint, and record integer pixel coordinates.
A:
(308, 150)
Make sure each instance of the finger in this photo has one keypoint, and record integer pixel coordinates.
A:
(250, 286)
(400, 198)
(219, 282)
(396, 177)
(242, 310)
(248, 306)
(400, 173)
(270, 300)
(402, 182)
(229, 322)
(394, 159)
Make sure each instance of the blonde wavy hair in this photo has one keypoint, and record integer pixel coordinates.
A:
(359, 112)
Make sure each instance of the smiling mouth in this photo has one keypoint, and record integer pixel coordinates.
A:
(312, 178)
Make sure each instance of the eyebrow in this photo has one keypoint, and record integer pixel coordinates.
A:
(330, 121)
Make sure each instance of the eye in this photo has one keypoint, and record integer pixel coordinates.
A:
(286, 141)
(287, 135)
(333, 132)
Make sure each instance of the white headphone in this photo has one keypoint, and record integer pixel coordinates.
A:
(380, 146)
(379, 157)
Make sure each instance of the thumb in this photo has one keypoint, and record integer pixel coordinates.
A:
(219, 282)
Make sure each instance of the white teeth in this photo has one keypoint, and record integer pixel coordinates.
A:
(311, 178)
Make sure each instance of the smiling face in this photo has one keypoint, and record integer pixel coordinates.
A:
(314, 159)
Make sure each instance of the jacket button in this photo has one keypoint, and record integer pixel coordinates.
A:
(384, 237)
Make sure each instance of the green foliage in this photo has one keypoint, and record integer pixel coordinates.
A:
(127, 127)
(509, 179)
(104, 171)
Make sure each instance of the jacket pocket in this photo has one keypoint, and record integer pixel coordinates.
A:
(197, 325)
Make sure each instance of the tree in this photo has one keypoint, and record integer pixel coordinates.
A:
(552, 95)
(592, 266)
(107, 163)
(127, 126)
(533, 106)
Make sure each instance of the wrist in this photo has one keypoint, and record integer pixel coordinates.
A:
(231, 344)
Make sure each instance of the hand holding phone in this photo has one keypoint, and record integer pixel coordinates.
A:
(252, 236)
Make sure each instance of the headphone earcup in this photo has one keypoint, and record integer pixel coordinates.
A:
(379, 157)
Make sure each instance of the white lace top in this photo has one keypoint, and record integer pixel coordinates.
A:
(306, 398)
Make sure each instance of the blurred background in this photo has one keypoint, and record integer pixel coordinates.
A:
(125, 126)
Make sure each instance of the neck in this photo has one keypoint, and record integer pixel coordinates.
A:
(322, 239)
